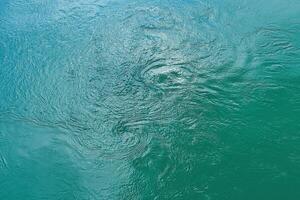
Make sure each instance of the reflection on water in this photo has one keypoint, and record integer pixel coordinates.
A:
(139, 99)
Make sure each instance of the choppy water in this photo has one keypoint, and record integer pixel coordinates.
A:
(115, 99)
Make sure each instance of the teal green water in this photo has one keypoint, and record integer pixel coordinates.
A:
(144, 99)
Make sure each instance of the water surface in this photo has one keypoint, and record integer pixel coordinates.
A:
(144, 99)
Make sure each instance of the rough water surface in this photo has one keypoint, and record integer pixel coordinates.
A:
(118, 99)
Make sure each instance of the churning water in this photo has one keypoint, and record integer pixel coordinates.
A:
(149, 99)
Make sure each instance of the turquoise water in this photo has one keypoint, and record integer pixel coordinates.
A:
(115, 99)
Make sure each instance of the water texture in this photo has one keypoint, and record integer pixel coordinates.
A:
(145, 99)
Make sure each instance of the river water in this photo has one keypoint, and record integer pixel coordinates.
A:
(145, 99)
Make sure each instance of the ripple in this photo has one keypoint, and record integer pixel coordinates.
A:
(166, 76)
(274, 50)
(127, 142)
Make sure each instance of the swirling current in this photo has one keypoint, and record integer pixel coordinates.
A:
(157, 99)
